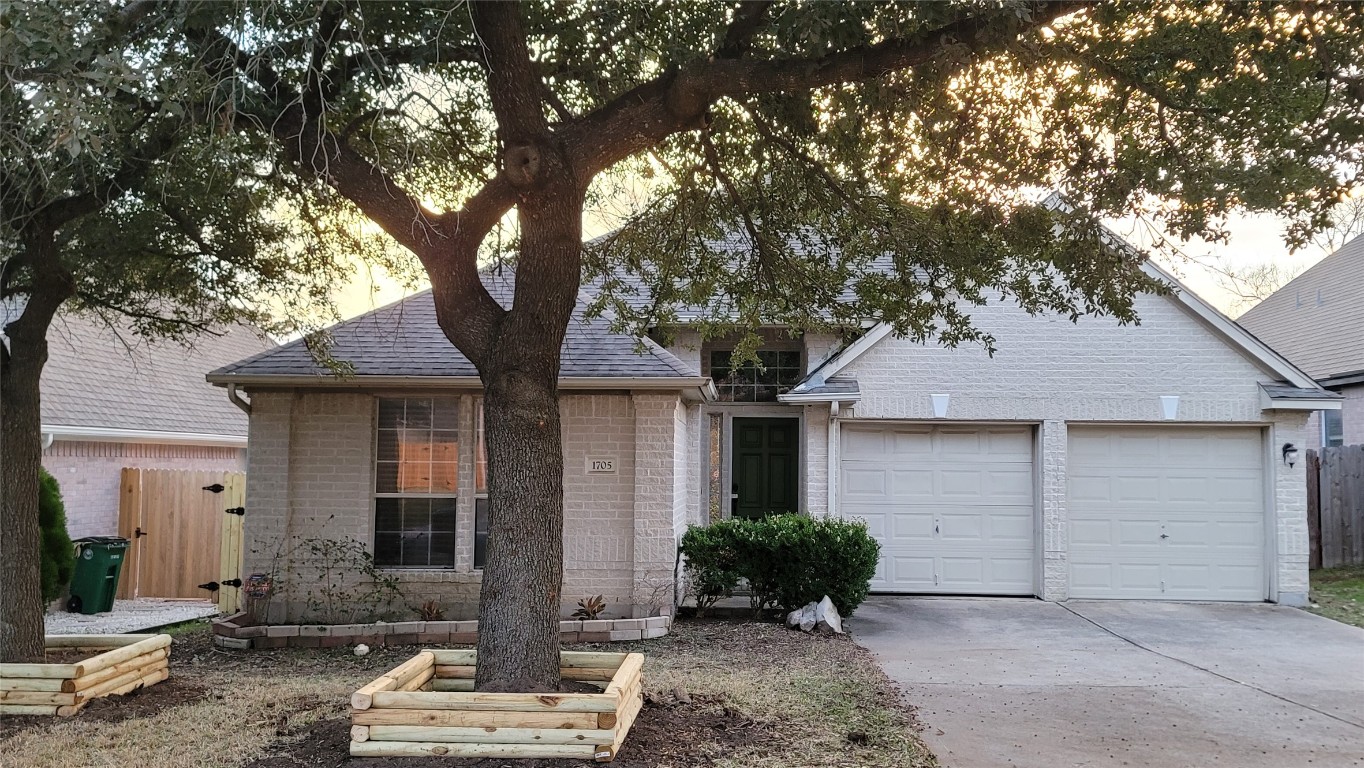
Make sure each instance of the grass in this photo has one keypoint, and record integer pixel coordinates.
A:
(1338, 593)
(816, 701)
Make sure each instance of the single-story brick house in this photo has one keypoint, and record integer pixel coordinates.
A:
(1085, 459)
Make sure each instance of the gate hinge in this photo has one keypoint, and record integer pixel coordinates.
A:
(238, 511)
(215, 488)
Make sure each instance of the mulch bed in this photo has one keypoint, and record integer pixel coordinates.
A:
(144, 702)
(683, 731)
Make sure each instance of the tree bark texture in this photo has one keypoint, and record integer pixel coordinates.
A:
(21, 455)
(519, 606)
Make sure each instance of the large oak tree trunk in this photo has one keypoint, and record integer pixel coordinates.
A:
(21, 455)
(519, 607)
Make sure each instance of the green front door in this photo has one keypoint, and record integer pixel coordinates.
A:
(765, 466)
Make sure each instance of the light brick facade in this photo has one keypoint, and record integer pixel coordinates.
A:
(311, 476)
(90, 475)
(1053, 373)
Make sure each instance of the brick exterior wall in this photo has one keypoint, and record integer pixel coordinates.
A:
(90, 475)
(311, 475)
(1051, 372)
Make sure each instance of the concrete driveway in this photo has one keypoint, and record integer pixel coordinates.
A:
(1006, 682)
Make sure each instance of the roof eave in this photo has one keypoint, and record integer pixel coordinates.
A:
(150, 436)
(703, 387)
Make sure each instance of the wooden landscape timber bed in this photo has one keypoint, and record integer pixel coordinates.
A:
(117, 664)
(427, 707)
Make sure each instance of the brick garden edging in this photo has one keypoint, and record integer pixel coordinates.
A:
(229, 633)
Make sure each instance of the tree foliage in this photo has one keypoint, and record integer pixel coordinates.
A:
(58, 557)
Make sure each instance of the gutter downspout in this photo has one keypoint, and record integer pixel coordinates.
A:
(48, 438)
(832, 484)
(237, 400)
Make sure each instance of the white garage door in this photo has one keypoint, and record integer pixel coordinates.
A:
(1173, 513)
(951, 506)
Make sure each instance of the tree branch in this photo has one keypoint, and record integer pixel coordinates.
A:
(748, 17)
(677, 102)
(513, 84)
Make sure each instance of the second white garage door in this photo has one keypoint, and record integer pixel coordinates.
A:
(1172, 513)
(952, 506)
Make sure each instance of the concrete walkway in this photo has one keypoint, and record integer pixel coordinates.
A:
(1006, 682)
(128, 616)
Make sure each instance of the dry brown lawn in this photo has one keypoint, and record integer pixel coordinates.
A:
(733, 693)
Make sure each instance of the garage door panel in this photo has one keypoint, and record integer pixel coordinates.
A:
(954, 505)
(1183, 517)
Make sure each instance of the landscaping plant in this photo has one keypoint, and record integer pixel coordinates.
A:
(58, 554)
(788, 560)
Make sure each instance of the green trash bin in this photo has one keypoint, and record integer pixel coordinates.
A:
(99, 561)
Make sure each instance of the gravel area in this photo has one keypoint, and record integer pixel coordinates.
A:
(128, 616)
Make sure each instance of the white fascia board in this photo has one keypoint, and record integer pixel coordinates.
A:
(1297, 404)
(702, 385)
(114, 435)
(854, 350)
(1244, 340)
(830, 397)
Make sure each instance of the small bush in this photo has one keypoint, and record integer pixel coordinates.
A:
(788, 560)
(712, 562)
(58, 555)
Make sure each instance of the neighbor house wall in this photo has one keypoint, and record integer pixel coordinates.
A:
(311, 476)
(90, 475)
(1351, 419)
(1054, 373)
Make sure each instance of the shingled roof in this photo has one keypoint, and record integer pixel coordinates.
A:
(1317, 319)
(103, 377)
(403, 340)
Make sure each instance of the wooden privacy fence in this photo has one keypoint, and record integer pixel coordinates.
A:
(186, 531)
(1335, 506)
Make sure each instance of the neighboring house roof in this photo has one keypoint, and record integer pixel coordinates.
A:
(403, 343)
(105, 382)
(1317, 319)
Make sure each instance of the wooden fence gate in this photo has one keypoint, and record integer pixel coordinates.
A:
(1335, 506)
(186, 530)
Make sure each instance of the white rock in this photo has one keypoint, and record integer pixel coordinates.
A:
(808, 618)
(793, 618)
(827, 618)
(361, 649)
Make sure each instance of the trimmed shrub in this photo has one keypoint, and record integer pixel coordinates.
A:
(712, 562)
(58, 556)
(788, 561)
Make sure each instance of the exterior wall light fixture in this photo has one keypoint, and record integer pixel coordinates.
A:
(1290, 454)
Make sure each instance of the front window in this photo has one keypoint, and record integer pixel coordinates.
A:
(1332, 429)
(745, 383)
(416, 478)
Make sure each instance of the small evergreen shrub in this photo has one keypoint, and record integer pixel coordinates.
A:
(712, 562)
(58, 556)
(788, 561)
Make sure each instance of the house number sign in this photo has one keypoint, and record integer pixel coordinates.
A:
(597, 465)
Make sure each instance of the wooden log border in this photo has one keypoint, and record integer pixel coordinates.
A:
(119, 664)
(426, 706)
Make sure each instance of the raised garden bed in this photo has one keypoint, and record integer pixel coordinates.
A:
(238, 632)
(427, 707)
(98, 665)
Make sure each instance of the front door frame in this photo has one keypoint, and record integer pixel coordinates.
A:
(728, 412)
(793, 450)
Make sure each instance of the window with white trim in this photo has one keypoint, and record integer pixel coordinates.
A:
(415, 481)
